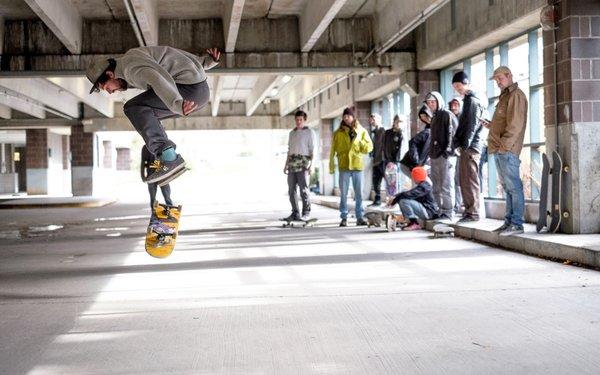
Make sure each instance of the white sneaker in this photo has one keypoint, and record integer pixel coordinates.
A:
(305, 217)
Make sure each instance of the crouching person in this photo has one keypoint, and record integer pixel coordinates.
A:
(416, 203)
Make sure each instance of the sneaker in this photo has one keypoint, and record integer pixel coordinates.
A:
(376, 203)
(444, 218)
(412, 226)
(501, 228)
(292, 217)
(361, 222)
(305, 217)
(166, 169)
(344, 223)
(512, 229)
(468, 219)
(167, 180)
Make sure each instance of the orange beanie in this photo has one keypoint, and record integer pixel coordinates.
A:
(418, 174)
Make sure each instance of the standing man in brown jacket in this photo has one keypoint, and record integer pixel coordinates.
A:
(505, 142)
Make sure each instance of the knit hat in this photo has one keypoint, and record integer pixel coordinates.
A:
(461, 77)
(418, 174)
(348, 111)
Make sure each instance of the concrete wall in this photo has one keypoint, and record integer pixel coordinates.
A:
(477, 25)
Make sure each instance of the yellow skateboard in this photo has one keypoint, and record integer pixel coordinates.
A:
(162, 245)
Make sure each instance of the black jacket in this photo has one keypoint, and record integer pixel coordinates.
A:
(421, 193)
(392, 144)
(443, 127)
(377, 137)
(468, 133)
(418, 149)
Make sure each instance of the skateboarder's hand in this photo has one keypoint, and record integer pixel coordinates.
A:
(214, 53)
(285, 169)
(188, 107)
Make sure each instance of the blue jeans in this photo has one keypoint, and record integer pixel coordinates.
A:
(357, 177)
(411, 209)
(508, 165)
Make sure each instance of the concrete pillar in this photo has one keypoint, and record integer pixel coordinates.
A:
(123, 159)
(36, 149)
(426, 81)
(82, 161)
(578, 102)
(362, 112)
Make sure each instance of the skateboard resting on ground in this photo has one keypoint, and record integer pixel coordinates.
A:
(543, 210)
(161, 245)
(298, 223)
(442, 230)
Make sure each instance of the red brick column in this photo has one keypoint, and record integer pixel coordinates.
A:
(82, 161)
(427, 81)
(36, 148)
(578, 109)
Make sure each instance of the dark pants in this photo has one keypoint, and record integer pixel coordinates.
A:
(153, 188)
(146, 110)
(301, 180)
(469, 181)
(378, 174)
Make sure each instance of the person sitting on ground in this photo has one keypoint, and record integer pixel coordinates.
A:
(416, 203)
(148, 165)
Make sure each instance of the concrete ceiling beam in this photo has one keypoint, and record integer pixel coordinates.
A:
(314, 20)
(232, 17)
(62, 18)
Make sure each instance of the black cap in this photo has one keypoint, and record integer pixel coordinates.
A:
(348, 111)
(461, 77)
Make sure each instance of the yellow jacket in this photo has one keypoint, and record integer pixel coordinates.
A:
(349, 153)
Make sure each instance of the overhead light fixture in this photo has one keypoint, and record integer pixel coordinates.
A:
(274, 92)
(286, 78)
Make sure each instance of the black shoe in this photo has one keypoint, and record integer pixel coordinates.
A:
(292, 217)
(344, 223)
(361, 222)
(502, 228)
(468, 219)
(166, 170)
(375, 203)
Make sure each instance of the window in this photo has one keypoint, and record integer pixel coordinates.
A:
(523, 55)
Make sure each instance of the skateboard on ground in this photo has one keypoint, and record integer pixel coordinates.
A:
(298, 223)
(161, 245)
(442, 230)
(391, 179)
(392, 221)
(378, 216)
(543, 212)
(556, 208)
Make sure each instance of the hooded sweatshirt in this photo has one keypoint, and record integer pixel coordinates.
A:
(162, 68)
(418, 146)
(443, 127)
(468, 133)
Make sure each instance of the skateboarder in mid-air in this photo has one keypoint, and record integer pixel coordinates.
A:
(148, 165)
(175, 84)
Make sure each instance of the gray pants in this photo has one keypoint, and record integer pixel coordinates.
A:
(442, 176)
(300, 179)
(413, 210)
(146, 110)
(457, 193)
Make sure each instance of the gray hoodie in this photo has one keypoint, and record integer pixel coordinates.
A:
(161, 68)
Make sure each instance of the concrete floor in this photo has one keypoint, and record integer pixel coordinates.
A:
(242, 295)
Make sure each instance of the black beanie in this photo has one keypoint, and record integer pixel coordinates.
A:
(348, 111)
(461, 77)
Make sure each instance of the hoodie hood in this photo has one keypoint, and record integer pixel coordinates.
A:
(438, 97)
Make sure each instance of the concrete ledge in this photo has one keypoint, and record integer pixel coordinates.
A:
(54, 202)
(583, 249)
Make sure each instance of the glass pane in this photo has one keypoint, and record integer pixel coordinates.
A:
(540, 48)
(536, 171)
(526, 171)
(518, 58)
(540, 114)
(478, 75)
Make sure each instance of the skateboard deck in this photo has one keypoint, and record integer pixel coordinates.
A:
(442, 230)
(161, 245)
(543, 210)
(298, 223)
(556, 208)
(391, 179)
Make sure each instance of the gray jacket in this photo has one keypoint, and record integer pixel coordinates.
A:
(161, 68)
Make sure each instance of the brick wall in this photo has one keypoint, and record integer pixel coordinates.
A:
(123, 159)
(65, 152)
(578, 64)
(82, 147)
(36, 148)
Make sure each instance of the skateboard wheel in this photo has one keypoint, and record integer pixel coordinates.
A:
(566, 214)
(566, 169)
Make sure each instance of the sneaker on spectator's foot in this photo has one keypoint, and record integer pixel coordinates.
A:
(502, 228)
(512, 229)
(444, 218)
(376, 203)
(305, 217)
(361, 222)
(344, 223)
(166, 169)
(412, 226)
(468, 219)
